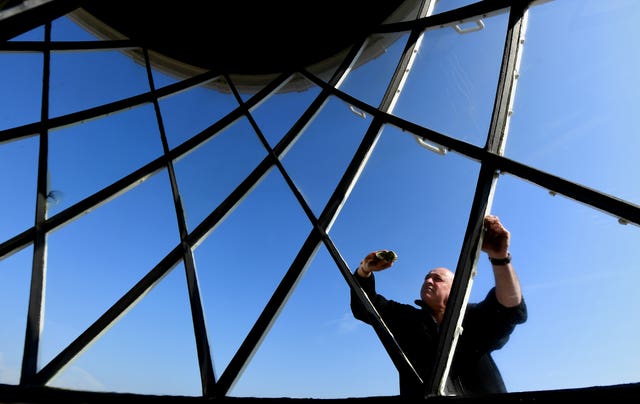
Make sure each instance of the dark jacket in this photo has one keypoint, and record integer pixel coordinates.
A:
(487, 326)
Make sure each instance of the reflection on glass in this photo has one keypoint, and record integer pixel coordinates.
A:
(207, 175)
(242, 262)
(578, 271)
(86, 158)
(452, 84)
(577, 100)
(162, 359)
(100, 256)
(319, 157)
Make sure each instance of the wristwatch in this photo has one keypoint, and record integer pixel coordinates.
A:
(501, 261)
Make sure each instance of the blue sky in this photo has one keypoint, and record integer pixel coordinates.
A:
(573, 116)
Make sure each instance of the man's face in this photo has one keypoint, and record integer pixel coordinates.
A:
(436, 287)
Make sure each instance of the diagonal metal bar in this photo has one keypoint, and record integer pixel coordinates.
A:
(207, 376)
(106, 320)
(290, 279)
(152, 278)
(308, 250)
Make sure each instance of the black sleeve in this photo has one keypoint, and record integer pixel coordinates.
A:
(386, 308)
(369, 287)
(489, 324)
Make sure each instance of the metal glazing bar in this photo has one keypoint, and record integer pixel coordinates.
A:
(39, 263)
(463, 279)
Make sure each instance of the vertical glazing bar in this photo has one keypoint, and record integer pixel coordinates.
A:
(483, 197)
(35, 312)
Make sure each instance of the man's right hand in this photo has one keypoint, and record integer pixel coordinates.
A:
(371, 263)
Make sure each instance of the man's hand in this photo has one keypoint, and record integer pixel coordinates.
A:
(496, 238)
(371, 263)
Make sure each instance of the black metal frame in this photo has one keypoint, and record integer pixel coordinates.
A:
(492, 164)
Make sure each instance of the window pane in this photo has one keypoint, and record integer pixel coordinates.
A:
(369, 81)
(18, 178)
(578, 269)
(86, 158)
(207, 175)
(243, 261)
(162, 359)
(277, 114)
(317, 160)
(94, 260)
(452, 84)
(15, 278)
(412, 201)
(21, 77)
(576, 106)
(316, 348)
(189, 112)
(82, 80)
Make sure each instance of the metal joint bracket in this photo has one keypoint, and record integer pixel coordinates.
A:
(436, 149)
(478, 27)
(358, 112)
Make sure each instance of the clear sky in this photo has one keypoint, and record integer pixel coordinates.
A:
(574, 115)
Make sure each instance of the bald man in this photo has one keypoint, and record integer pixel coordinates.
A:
(487, 324)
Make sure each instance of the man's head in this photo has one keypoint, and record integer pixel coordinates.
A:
(436, 287)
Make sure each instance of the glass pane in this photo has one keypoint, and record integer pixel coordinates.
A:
(577, 265)
(161, 359)
(368, 81)
(414, 202)
(277, 114)
(207, 175)
(94, 260)
(21, 77)
(576, 107)
(316, 348)
(36, 34)
(317, 161)
(241, 263)
(448, 5)
(82, 80)
(15, 278)
(66, 29)
(85, 158)
(189, 112)
(167, 71)
(578, 269)
(406, 199)
(452, 84)
(18, 178)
